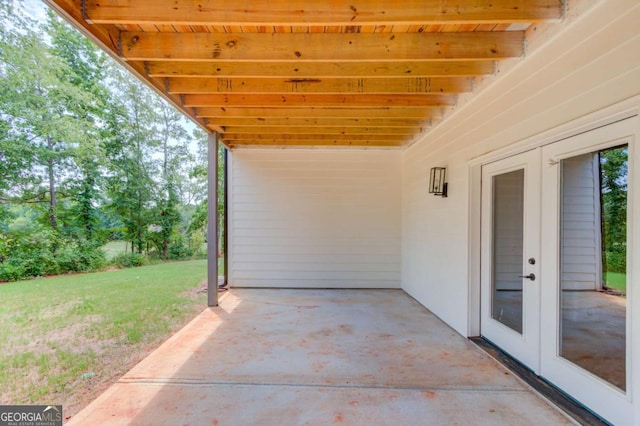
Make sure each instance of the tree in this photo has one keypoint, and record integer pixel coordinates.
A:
(87, 67)
(172, 156)
(37, 101)
(130, 185)
(46, 129)
(613, 164)
(15, 161)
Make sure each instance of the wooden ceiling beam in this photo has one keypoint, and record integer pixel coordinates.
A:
(323, 47)
(388, 112)
(299, 143)
(320, 69)
(324, 122)
(411, 85)
(243, 137)
(310, 130)
(319, 12)
(314, 100)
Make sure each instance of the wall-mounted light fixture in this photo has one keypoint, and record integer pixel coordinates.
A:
(437, 184)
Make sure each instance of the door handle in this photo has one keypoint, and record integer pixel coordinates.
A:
(531, 276)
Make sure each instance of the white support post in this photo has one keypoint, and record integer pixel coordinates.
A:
(212, 219)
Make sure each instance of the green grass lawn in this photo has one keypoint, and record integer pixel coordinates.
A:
(617, 280)
(64, 339)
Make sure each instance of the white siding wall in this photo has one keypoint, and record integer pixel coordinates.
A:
(581, 259)
(315, 218)
(594, 62)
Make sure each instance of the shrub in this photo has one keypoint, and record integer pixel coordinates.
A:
(80, 256)
(29, 251)
(617, 260)
(36, 251)
(129, 260)
(11, 272)
(196, 243)
(178, 248)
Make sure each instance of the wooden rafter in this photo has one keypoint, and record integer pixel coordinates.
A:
(318, 12)
(329, 130)
(325, 142)
(304, 47)
(323, 122)
(309, 140)
(320, 69)
(412, 85)
(391, 113)
(313, 100)
(242, 137)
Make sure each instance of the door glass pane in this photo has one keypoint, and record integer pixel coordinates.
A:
(593, 242)
(508, 222)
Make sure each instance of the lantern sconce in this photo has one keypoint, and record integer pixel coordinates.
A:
(437, 184)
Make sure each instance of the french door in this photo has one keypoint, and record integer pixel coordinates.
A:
(585, 347)
(555, 281)
(510, 298)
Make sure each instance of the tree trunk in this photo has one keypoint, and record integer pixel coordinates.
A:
(165, 176)
(220, 239)
(52, 187)
(87, 216)
(139, 227)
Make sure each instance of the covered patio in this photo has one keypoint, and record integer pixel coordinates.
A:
(335, 116)
(268, 356)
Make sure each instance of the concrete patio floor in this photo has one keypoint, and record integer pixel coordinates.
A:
(291, 357)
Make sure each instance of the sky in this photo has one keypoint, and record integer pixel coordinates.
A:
(35, 8)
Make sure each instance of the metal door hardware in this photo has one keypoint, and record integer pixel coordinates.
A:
(531, 276)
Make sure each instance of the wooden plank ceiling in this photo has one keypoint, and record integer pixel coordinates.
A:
(314, 72)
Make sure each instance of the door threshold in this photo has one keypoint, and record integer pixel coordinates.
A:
(563, 401)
